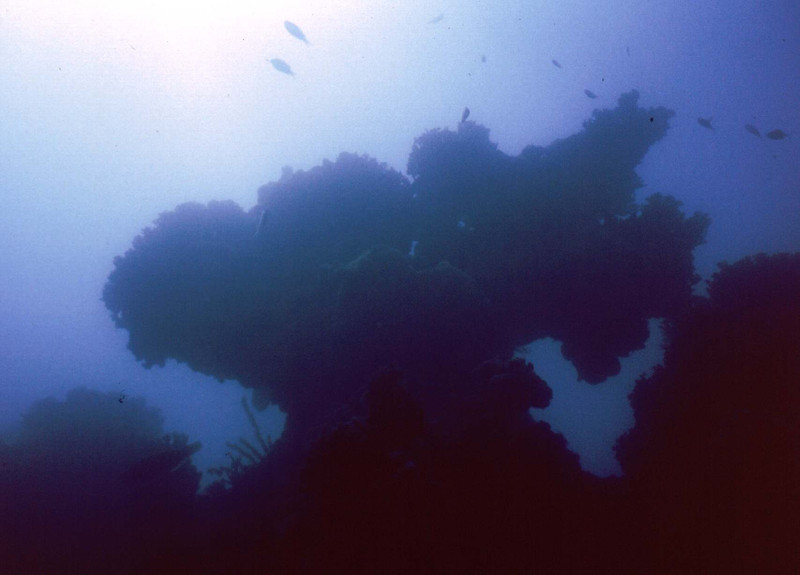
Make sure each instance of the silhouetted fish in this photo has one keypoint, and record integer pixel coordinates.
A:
(483, 58)
(281, 66)
(591, 94)
(295, 31)
(752, 129)
(777, 135)
(437, 19)
(464, 115)
(705, 122)
(556, 64)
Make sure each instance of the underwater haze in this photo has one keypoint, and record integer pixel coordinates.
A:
(251, 251)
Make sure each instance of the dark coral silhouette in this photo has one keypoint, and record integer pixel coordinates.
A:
(714, 458)
(549, 243)
(83, 490)
(382, 313)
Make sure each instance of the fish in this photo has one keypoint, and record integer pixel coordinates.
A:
(591, 94)
(160, 465)
(777, 135)
(295, 31)
(437, 19)
(556, 64)
(483, 58)
(752, 129)
(464, 115)
(705, 122)
(281, 66)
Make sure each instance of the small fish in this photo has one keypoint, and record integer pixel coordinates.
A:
(591, 94)
(295, 31)
(483, 58)
(705, 122)
(752, 129)
(464, 115)
(777, 135)
(556, 64)
(281, 66)
(437, 19)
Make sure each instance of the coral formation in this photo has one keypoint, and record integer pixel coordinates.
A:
(554, 246)
(382, 313)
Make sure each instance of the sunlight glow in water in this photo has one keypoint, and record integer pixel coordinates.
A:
(187, 46)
